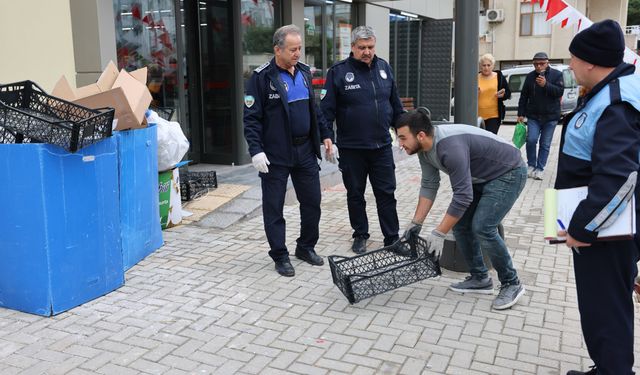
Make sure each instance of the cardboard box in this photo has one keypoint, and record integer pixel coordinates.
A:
(139, 211)
(60, 245)
(126, 92)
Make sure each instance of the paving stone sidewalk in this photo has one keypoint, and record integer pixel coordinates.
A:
(210, 302)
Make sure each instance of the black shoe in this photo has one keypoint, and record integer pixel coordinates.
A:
(391, 241)
(593, 371)
(284, 268)
(359, 245)
(309, 256)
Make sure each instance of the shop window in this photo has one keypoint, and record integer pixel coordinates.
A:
(146, 37)
(327, 36)
(533, 20)
(259, 21)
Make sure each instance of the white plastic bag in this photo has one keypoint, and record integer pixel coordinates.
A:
(172, 144)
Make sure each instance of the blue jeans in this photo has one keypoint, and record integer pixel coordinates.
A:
(477, 229)
(543, 132)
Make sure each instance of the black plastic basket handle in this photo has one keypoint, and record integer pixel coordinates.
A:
(37, 86)
(25, 83)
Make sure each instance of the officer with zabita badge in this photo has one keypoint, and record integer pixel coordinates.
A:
(283, 135)
(361, 96)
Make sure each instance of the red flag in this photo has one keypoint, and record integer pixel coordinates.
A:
(246, 20)
(555, 7)
(148, 19)
(165, 39)
(135, 11)
(533, 3)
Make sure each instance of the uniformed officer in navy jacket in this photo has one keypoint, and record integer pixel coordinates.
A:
(361, 96)
(283, 135)
(599, 149)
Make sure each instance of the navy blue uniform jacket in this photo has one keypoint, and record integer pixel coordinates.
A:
(541, 103)
(364, 102)
(266, 115)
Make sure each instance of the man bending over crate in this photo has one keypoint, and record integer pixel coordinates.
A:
(487, 175)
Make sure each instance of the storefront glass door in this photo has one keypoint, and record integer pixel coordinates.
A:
(216, 80)
(327, 36)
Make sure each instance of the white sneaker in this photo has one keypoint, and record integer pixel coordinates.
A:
(530, 171)
(538, 174)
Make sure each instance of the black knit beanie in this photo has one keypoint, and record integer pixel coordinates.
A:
(600, 44)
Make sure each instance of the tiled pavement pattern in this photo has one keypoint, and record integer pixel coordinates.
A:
(209, 302)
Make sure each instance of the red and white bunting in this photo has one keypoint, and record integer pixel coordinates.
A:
(559, 12)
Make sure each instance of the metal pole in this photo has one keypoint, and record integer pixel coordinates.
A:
(466, 62)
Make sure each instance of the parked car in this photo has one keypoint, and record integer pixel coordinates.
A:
(516, 76)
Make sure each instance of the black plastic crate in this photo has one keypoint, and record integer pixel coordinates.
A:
(194, 184)
(164, 112)
(379, 271)
(27, 112)
(8, 136)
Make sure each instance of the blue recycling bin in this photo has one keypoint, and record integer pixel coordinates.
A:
(61, 234)
(139, 209)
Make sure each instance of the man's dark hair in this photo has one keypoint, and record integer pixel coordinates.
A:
(417, 121)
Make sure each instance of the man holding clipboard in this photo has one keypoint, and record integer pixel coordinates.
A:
(599, 149)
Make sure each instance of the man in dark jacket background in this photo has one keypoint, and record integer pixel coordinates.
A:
(540, 104)
(361, 95)
(283, 135)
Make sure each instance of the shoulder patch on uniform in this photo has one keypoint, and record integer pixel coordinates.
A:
(249, 100)
(261, 67)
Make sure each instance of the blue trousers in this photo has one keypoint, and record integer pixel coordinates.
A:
(605, 273)
(477, 229)
(356, 165)
(543, 132)
(306, 182)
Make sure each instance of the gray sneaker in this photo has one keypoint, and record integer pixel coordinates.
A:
(530, 171)
(508, 296)
(472, 284)
(538, 174)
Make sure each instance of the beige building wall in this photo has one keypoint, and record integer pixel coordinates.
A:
(36, 41)
(598, 10)
(507, 44)
(438, 9)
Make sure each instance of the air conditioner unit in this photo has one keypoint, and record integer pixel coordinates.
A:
(495, 15)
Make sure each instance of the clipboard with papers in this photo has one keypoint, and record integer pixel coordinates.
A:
(560, 204)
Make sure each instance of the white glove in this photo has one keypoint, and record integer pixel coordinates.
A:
(260, 162)
(435, 241)
(332, 155)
